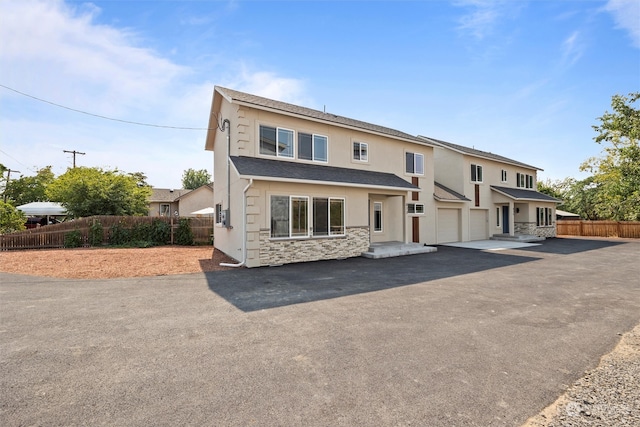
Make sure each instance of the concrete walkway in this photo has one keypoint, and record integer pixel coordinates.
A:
(456, 337)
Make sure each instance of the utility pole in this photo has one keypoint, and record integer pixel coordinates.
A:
(7, 184)
(74, 152)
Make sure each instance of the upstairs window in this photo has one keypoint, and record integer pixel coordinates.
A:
(276, 141)
(524, 180)
(415, 208)
(361, 151)
(503, 177)
(312, 147)
(414, 163)
(476, 173)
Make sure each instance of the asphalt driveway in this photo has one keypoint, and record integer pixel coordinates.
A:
(457, 337)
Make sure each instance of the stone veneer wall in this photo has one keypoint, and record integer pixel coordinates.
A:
(287, 251)
(531, 229)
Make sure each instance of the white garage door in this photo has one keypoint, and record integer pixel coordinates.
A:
(478, 225)
(448, 225)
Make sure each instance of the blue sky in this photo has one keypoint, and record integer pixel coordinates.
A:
(524, 79)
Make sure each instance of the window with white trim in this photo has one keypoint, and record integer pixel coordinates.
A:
(361, 151)
(276, 141)
(289, 216)
(377, 217)
(503, 176)
(524, 180)
(498, 215)
(328, 216)
(165, 210)
(414, 163)
(415, 208)
(544, 217)
(312, 147)
(476, 173)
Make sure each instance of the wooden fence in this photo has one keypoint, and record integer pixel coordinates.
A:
(569, 227)
(52, 236)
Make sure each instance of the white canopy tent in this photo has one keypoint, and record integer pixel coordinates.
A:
(205, 211)
(43, 209)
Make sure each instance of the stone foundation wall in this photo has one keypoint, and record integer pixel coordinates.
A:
(287, 251)
(531, 229)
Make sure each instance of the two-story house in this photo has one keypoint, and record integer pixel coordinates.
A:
(295, 184)
(501, 194)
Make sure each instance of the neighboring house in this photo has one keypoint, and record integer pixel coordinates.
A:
(180, 202)
(566, 215)
(295, 184)
(500, 197)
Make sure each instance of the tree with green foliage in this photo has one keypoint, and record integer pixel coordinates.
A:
(616, 175)
(192, 179)
(11, 219)
(27, 189)
(87, 191)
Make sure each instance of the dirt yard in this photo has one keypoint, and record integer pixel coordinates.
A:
(102, 263)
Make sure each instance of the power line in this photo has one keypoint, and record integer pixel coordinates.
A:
(100, 116)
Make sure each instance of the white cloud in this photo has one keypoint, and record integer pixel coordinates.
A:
(61, 53)
(572, 48)
(483, 16)
(626, 14)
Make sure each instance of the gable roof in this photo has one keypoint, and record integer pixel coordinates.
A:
(166, 194)
(520, 194)
(445, 194)
(477, 153)
(279, 170)
(189, 193)
(259, 102)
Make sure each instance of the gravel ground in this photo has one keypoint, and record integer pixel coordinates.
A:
(608, 395)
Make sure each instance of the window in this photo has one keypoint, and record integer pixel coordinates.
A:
(544, 217)
(312, 147)
(328, 217)
(360, 151)
(503, 178)
(289, 216)
(498, 212)
(476, 173)
(272, 138)
(524, 180)
(415, 208)
(414, 163)
(219, 214)
(377, 216)
(165, 210)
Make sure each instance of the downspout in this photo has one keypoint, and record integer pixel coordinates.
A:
(227, 124)
(244, 229)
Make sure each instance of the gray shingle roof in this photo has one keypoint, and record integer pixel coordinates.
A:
(521, 194)
(266, 103)
(477, 153)
(166, 194)
(446, 194)
(279, 169)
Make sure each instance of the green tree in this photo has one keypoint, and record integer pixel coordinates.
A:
(27, 189)
(192, 179)
(11, 219)
(616, 175)
(87, 191)
(550, 188)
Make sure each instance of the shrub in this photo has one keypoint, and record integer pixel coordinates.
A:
(118, 235)
(96, 234)
(184, 235)
(73, 239)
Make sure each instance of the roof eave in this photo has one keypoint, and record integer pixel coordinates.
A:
(333, 183)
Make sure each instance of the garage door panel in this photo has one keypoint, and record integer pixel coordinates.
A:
(478, 225)
(448, 225)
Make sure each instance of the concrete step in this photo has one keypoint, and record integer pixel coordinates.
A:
(394, 249)
(523, 238)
